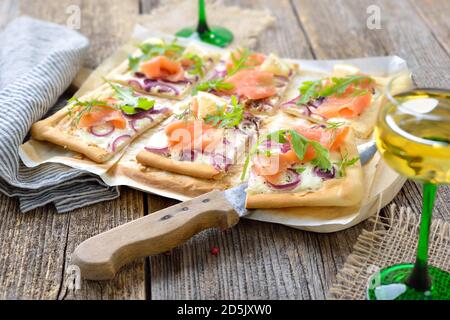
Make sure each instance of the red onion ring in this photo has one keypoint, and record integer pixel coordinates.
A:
(325, 174)
(221, 162)
(120, 139)
(188, 155)
(135, 84)
(282, 78)
(162, 87)
(102, 130)
(316, 102)
(285, 147)
(280, 81)
(141, 75)
(290, 185)
(160, 150)
(218, 74)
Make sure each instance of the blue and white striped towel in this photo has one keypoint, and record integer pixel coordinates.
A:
(38, 61)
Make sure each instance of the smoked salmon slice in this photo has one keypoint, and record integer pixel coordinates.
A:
(253, 60)
(348, 105)
(99, 115)
(161, 67)
(253, 84)
(331, 139)
(192, 134)
(345, 107)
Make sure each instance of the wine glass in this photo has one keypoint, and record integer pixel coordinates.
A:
(413, 137)
(217, 36)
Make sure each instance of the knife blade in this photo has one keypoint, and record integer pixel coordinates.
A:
(100, 257)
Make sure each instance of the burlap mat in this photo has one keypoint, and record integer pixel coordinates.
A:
(173, 15)
(390, 241)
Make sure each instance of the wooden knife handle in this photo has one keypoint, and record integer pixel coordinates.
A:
(100, 257)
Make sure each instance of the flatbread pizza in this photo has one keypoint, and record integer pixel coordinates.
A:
(305, 165)
(102, 123)
(347, 96)
(205, 140)
(259, 81)
(165, 69)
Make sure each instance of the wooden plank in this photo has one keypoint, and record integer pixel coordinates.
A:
(107, 23)
(36, 246)
(87, 222)
(256, 260)
(337, 28)
(32, 251)
(435, 14)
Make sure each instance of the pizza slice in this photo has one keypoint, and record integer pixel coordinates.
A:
(205, 141)
(257, 80)
(305, 165)
(102, 123)
(348, 96)
(165, 69)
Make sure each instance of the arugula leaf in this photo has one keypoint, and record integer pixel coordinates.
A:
(227, 119)
(85, 107)
(213, 85)
(129, 103)
(299, 144)
(334, 125)
(322, 156)
(310, 90)
(252, 152)
(197, 66)
(300, 169)
(344, 163)
(239, 63)
(133, 62)
(277, 136)
(150, 50)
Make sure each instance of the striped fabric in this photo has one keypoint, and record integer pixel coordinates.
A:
(38, 61)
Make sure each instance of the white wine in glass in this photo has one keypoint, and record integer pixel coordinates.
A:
(413, 137)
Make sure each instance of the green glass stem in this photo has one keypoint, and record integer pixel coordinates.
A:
(215, 35)
(420, 278)
(202, 26)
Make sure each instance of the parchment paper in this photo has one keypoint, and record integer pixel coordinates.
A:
(325, 219)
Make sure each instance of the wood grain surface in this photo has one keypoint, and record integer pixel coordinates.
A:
(256, 260)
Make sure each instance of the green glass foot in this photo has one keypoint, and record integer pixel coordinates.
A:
(390, 284)
(217, 36)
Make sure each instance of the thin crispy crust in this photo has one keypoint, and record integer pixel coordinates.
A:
(47, 130)
(365, 123)
(193, 169)
(362, 125)
(176, 183)
(344, 192)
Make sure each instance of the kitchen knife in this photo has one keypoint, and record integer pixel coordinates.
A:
(100, 257)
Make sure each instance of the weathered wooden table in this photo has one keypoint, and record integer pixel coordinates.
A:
(256, 260)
